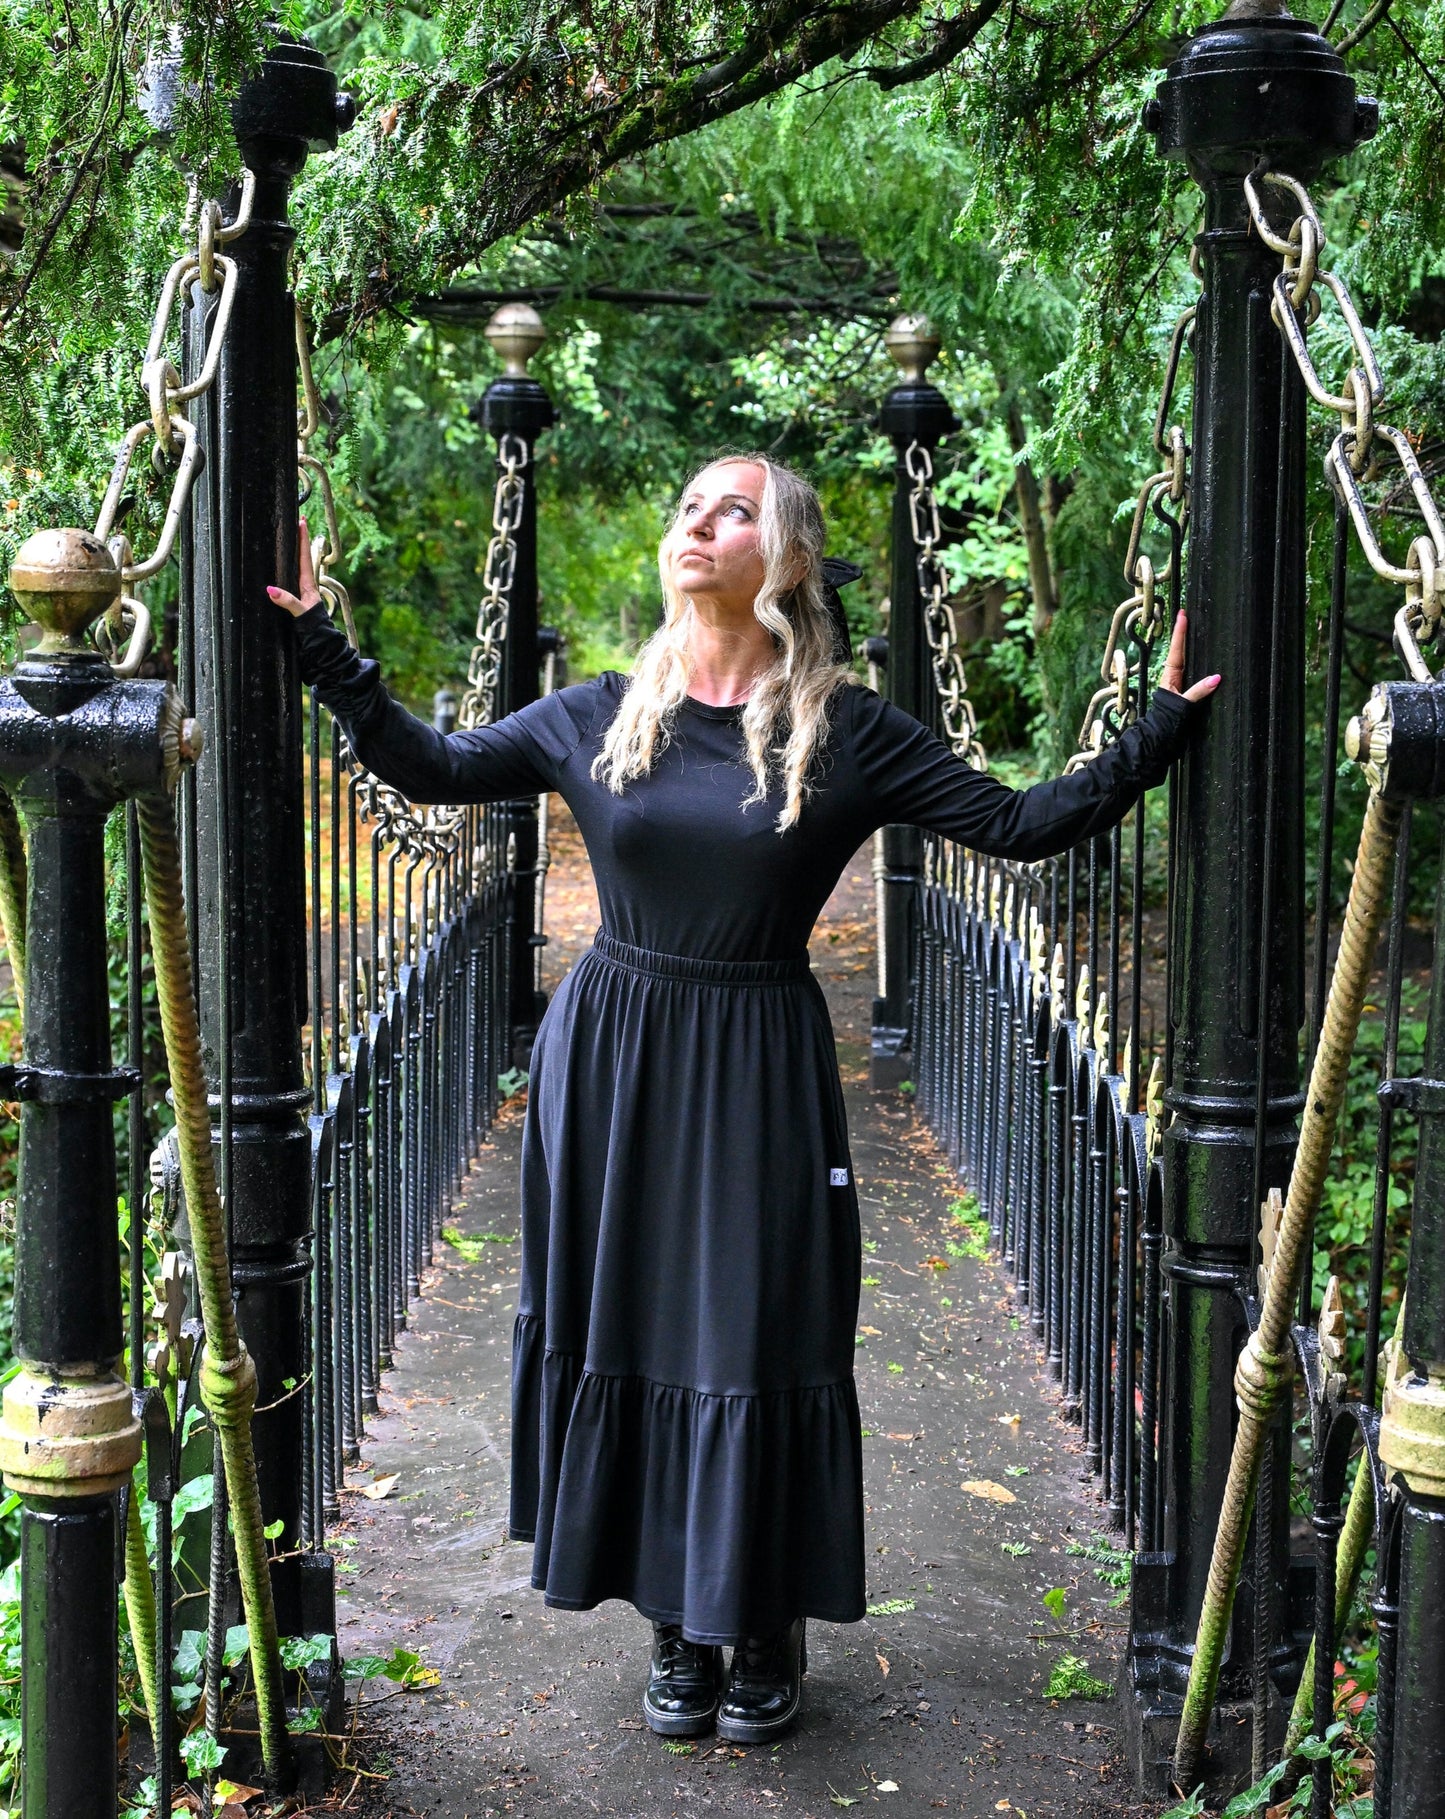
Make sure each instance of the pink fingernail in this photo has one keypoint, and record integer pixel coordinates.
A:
(273, 591)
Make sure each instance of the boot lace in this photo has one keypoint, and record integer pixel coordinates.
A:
(675, 1654)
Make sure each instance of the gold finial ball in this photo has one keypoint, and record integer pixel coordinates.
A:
(64, 580)
(516, 331)
(913, 344)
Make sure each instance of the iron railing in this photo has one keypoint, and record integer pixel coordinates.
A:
(1155, 1197)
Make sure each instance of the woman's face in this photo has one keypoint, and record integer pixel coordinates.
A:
(712, 550)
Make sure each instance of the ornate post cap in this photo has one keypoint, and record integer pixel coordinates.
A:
(915, 410)
(64, 580)
(1258, 80)
(515, 401)
(516, 331)
(912, 343)
(293, 97)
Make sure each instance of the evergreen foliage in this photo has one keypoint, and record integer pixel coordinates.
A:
(779, 178)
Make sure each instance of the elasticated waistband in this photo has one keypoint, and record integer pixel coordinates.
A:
(785, 971)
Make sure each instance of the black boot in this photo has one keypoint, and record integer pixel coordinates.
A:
(684, 1686)
(765, 1687)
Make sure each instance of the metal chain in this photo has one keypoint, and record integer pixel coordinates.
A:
(1139, 619)
(479, 703)
(940, 625)
(418, 832)
(1354, 454)
(124, 634)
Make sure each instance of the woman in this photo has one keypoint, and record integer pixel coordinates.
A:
(686, 1432)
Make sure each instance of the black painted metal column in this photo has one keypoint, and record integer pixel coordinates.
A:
(1412, 1441)
(251, 903)
(1255, 83)
(517, 405)
(73, 742)
(913, 412)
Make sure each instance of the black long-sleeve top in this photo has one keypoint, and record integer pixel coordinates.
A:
(682, 867)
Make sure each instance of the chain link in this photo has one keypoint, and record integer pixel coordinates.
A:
(479, 703)
(1353, 457)
(940, 624)
(1140, 618)
(123, 635)
(431, 833)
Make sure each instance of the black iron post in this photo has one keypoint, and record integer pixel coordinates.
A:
(1257, 82)
(914, 412)
(250, 913)
(444, 710)
(516, 405)
(73, 743)
(1412, 1441)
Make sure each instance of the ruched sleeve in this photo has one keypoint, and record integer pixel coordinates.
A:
(521, 755)
(915, 779)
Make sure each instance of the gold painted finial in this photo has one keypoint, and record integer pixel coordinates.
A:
(1154, 1108)
(1271, 1215)
(516, 332)
(912, 343)
(1101, 1024)
(64, 580)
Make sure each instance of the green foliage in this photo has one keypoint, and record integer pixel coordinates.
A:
(202, 1754)
(891, 1607)
(972, 1223)
(1342, 1240)
(1343, 1746)
(1070, 1678)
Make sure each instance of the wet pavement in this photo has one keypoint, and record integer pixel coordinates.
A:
(978, 1514)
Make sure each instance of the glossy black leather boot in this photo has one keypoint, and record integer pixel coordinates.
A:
(684, 1686)
(765, 1687)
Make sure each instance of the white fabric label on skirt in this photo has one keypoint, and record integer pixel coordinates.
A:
(837, 1177)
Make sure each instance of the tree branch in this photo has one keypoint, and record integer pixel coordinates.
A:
(951, 37)
(467, 302)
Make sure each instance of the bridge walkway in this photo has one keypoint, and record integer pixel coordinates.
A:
(976, 1499)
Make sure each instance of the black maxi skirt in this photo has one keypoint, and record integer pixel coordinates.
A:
(685, 1430)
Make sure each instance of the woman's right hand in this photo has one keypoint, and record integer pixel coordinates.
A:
(310, 594)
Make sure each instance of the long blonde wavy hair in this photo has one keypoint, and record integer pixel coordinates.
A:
(786, 718)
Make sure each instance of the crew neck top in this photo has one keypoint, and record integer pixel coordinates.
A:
(684, 863)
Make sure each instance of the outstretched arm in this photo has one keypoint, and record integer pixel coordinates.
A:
(918, 780)
(519, 756)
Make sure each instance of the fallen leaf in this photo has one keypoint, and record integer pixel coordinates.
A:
(882, 1661)
(900, 1436)
(1009, 1420)
(235, 1792)
(887, 1787)
(935, 1263)
(1001, 1806)
(987, 1489)
(381, 1487)
(873, 1332)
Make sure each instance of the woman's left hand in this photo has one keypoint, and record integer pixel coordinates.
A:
(310, 593)
(1173, 675)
